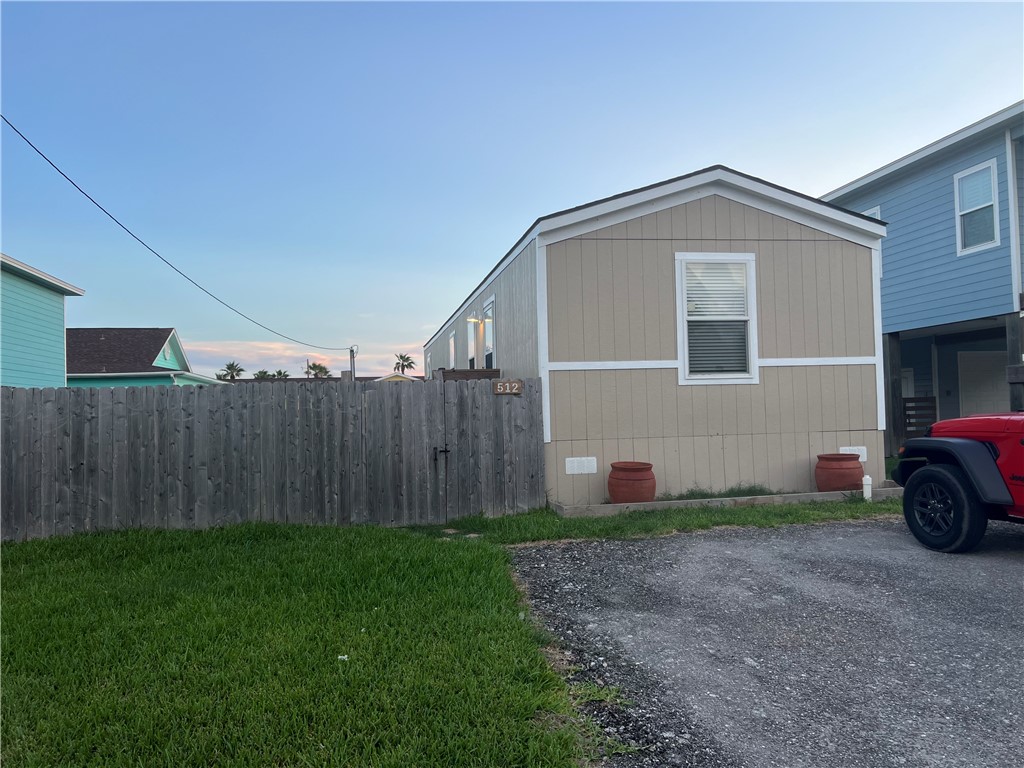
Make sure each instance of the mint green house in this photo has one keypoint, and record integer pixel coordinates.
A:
(129, 357)
(31, 325)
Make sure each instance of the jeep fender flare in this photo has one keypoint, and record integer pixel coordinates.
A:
(972, 456)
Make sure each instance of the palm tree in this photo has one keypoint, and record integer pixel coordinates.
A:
(317, 371)
(279, 374)
(221, 376)
(404, 363)
(263, 373)
(232, 371)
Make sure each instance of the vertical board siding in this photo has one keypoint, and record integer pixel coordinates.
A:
(31, 334)
(612, 292)
(515, 321)
(324, 453)
(711, 437)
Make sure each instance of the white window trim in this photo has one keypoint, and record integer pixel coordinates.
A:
(489, 302)
(749, 261)
(452, 350)
(994, 177)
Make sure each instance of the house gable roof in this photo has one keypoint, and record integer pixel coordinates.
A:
(1003, 116)
(395, 376)
(119, 350)
(714, 180)
(7, 264)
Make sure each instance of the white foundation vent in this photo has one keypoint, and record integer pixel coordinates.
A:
(581, 465)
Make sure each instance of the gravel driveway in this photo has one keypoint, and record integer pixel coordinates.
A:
(825, 645)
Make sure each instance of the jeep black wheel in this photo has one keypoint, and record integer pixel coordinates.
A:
(942, 510)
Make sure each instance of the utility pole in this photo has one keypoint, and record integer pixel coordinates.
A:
(352, 359)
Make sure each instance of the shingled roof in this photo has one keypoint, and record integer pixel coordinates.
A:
(115, 350)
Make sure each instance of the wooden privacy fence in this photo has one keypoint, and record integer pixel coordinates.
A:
(919, 414)
(332, 453)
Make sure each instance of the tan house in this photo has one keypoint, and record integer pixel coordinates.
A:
(724, 328)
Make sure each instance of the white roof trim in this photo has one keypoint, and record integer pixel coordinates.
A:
(740, 190)
(39, 276)
(181, 348)
(716, 180)
(502, 265)
(991, 121)
(395, 374)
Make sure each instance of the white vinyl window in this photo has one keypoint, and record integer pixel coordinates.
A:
(717, 316)
(451, 350)
(430, 371)
(471, 342)
(977, 208)
(489, 334)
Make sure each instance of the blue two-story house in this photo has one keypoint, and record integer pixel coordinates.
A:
(951, 272)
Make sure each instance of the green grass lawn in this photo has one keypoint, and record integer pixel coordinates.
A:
(273, 645)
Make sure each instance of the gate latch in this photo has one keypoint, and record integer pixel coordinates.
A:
(444, 450)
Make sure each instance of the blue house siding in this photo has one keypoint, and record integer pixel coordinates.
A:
(31, 334)
(175, 360)
(102, 382)
(924, 282)
(156, 380)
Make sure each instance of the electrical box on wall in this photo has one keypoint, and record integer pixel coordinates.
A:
(860, 450)
(581, 465)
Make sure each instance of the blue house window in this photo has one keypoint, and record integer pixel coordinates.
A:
(977, 206)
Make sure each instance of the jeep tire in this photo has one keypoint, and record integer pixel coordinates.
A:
(942, 510)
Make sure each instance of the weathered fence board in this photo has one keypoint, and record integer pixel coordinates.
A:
(324, 453)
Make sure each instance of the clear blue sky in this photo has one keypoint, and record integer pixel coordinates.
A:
(347, 173)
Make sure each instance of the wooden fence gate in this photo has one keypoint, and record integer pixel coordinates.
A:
(330, 453)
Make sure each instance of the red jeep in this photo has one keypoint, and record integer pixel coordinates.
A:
(961, 474)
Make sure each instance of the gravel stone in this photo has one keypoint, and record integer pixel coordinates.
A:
(795, 647)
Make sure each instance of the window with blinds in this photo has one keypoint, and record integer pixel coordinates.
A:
(716, 317)
(976, 208)
(717, 309)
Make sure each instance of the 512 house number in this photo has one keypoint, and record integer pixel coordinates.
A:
(508, 386)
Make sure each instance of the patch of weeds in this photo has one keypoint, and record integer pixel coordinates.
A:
(592, 693)
(753, 489)
(597, 745)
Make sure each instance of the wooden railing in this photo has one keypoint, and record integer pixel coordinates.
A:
(919, 413)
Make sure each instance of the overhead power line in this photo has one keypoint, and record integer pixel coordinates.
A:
(165, 261)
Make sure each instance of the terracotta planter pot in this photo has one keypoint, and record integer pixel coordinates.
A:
(631, 482)
(838, 472)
